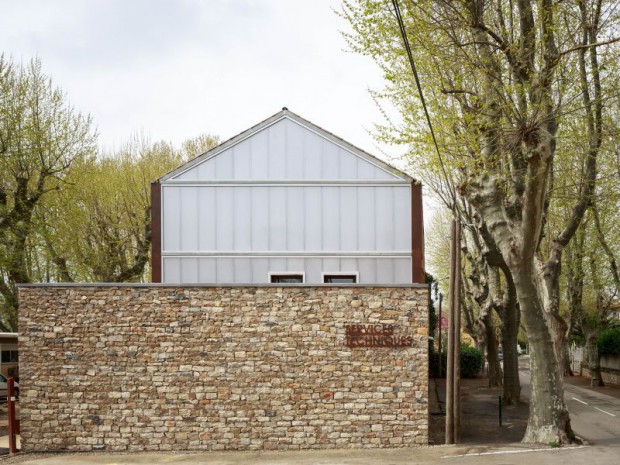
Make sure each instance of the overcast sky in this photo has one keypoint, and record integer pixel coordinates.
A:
(173, 69)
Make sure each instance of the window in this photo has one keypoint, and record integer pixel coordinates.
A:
(9, 356)
(341, 277)
(286, 277)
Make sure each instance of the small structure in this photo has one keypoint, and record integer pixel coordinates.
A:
(287, 201)
(9, 355)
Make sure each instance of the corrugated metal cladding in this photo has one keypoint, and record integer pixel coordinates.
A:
(286, 198)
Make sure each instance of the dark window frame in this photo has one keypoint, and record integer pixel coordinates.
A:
(335, 276)
(286, 277)
(9, 356)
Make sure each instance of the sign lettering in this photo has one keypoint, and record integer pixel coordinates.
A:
(375, 335)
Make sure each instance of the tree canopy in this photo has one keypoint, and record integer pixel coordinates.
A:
(69, 212)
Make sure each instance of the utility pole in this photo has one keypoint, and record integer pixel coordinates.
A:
(457, 336)
(453, 381)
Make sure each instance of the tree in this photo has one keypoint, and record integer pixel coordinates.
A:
(41, 138)
(98, 228)
(501, 82)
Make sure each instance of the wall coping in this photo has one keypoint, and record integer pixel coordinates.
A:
(221, 285)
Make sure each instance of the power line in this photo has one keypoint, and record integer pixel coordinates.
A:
(403, 34)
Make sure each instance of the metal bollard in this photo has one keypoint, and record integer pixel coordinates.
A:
(500, 409)
(13, 428)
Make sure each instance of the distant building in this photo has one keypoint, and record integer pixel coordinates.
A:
(8, 355)
(287, 201)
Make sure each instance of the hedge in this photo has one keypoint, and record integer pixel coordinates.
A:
(609, 342)
(471, 363)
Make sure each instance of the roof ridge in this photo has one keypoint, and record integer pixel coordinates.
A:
(285, 112)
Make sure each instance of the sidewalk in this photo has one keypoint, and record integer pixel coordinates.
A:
(583, 382)
(4, 429)
(479, 415)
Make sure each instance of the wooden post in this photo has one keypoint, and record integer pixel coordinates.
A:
(439, 348)
(11, 414)
(156, 232)
(456, 391)
(450, 360)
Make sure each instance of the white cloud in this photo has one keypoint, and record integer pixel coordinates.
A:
(174, 69)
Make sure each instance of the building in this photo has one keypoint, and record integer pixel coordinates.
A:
(9, 355)
(287, 201)
(217, 358)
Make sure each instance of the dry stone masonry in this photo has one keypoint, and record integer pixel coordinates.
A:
(151, 368)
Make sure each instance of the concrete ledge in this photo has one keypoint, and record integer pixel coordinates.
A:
(222, 285)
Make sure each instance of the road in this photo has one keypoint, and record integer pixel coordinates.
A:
(595, 417)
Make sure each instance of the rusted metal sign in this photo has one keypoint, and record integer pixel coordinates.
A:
(375, 335)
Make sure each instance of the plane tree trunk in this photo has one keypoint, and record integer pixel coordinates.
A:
(510, 317)
(516, 239)
(495, 368)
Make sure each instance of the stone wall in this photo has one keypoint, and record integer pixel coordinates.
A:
(610, 365)
(609, 375)
(219, 368)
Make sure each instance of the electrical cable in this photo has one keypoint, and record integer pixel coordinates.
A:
(403, 33)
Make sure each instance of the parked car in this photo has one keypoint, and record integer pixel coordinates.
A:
(4, 391)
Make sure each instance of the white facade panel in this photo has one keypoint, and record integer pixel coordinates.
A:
(286, 218)
(189, 231)
(259, 218)
(258, 148)
(207, 220)
(285, 197)
(242, 218)
(295, 218)
(207, 271)
(368, 271)
(366, 218)
(171, 223)
(243, 271)
(385, 270)
(313, 268)
(286, 150)
(226, 270)
(171, 270)
(246, 270)
(312, 156)
(294, 151)
(242, 158)
(348, 218)
(330, 221)
(277, 218)
(402, 218)
(384, 219)
(313, 213)
(224, 219)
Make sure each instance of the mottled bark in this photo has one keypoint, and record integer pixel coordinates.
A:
(510, 329)
(495, 368)
(549, 419)
(594, 361)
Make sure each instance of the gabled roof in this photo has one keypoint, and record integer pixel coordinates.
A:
(285, 113)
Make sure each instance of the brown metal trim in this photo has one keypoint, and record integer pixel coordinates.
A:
(417, 234)
(155, 232)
